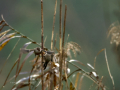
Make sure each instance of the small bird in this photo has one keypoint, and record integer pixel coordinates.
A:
(48, 57)
(37, 51)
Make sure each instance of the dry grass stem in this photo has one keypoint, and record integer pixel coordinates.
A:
(76, 81)
(42, 40)
(60, 46)
(53, 25)
(81, 80)
(109, 70)
(23, 36)
(9, 55)
(97, 55)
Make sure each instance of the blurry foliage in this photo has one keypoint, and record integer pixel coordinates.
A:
(51, 58)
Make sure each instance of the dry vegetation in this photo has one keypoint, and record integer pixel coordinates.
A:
(50, 67)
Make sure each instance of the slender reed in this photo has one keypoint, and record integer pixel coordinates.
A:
(52, 76)
(60, 46)
(42, 41)
(63, 39)
(53, 25)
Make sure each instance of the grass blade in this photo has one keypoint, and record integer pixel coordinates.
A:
(7, 36)
(9, 74)
(5, 32)
(10, 55)
(29, 54)
(6, 41)
(77, 77)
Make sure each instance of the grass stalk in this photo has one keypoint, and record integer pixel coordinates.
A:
(63, 39)
(60, 46)
(9, 74)
(34, 42)
(52, 76)
(42, 41)
(87, 75)
(53, 25)
(109, 70)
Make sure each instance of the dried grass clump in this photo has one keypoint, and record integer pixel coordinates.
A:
(114, 33)
(49, 68)
(76, 49)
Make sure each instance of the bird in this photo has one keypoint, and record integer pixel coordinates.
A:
(48, 56)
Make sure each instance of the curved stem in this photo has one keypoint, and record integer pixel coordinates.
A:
(19, 32)
(87, 75)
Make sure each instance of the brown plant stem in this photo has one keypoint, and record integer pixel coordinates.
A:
(63, 39)
(9, 74)
(55, 41)
(87, 75)
(53, 25)
(19, 32)
(51, 75)
(60, 42)
(42, 41)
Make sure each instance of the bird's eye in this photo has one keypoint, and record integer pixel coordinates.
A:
(38, 49)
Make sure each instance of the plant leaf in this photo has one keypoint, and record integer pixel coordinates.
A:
(9, 74)
(81, 80)
(7, 36)
(26, 44)
(5, 32)
(6, 41)
(29, 54)
(77, 77)
(89, 65)
(77, 62)
(21, 85)
(22, 50)
(71, 86)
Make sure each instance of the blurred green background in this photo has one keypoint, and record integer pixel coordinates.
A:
(87, 24)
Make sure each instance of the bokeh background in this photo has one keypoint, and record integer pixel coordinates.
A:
(87, 24)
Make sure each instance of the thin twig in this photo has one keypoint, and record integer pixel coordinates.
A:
(63, 39)
(109, 70)
(60, 43)
(42, 41)
(64, 27)
(60, 29)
